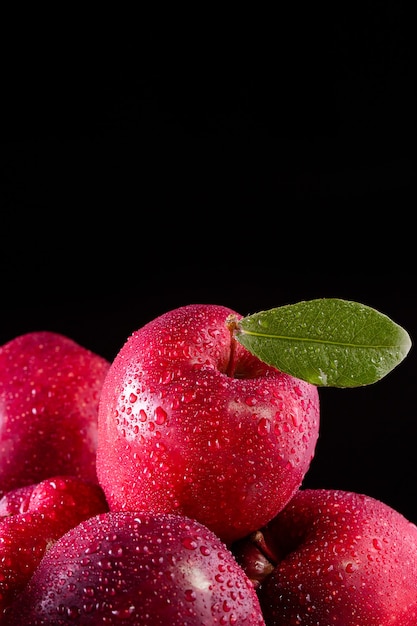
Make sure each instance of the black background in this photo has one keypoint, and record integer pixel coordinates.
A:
(250, 166)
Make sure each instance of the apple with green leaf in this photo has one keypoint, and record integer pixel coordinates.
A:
(214, 415)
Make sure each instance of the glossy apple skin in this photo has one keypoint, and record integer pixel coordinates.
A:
(190, 422)
(49, 394)
(32, 518)
(340, 558)
(132, 569)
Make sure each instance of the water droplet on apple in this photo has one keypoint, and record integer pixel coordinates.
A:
(294, 418)
(160, 415)
(350, 567)
(189, 543)
(263, 426)
(72, 612)
(377, 544)
(190, 595)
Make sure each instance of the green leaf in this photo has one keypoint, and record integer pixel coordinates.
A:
(328, 342)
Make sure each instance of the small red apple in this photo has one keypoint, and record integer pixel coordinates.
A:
(190, 422)
(33, 518)
(336, 558)
(49, 394)
(134, 569)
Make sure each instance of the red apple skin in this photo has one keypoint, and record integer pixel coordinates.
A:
(16, 501)
(49, 394)
(134, 569)
(37, 516)
(340, 558)
(191, 423)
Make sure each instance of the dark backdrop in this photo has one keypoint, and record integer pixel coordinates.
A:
(248, 167)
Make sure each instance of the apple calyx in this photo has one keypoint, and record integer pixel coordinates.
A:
(256, 558)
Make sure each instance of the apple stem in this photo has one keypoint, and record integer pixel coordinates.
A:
(232, 325)
(253, 554)
(258, 539)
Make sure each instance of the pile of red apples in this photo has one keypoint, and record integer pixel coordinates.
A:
(165, 488)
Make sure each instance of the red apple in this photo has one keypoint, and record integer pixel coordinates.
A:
(38, 515)
(190, 422)
(130, 568)
(336, 558)
(49, 394)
